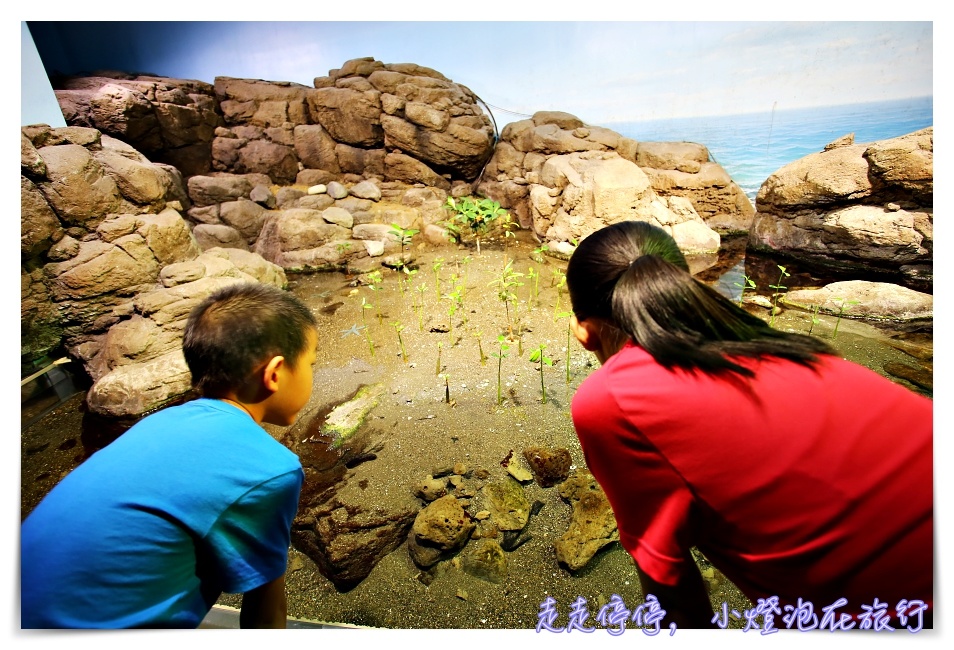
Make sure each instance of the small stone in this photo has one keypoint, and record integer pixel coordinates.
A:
(462, 594)
(460, 469)
(483, 514)
(522, 474)
(318, 189)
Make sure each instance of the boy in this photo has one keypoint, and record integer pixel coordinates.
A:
(192, 501)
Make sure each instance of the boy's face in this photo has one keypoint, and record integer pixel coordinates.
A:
(295, 384)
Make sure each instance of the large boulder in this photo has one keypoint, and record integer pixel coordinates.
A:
(576, 194)
(169, 120)
(854, 207)
(683, 169)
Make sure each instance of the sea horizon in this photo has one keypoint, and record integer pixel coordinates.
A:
(753, 146)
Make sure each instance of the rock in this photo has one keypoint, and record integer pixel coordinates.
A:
(344, 419)
(366, 190)
(133, 389)
(919, 376)
(549, 466)
(485, 559)
(439, 531)
(507, 503)
(338, 216)
(336, 190)
(843, 141)
(207, 190)
(318, 189)
(262, 195)
(855, 207)
(39, 227)
(77, 187)
(431, 488)
(218, 235)
(592, 524)
(347, 543)
(171, 121)
(878, 301)
(245, 215)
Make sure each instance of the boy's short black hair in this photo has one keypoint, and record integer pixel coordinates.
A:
(237, 328)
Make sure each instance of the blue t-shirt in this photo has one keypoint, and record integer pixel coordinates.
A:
(192, 501)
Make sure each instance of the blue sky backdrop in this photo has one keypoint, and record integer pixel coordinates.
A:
(600, 71)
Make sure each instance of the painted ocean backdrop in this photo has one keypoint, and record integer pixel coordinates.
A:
(752, 147)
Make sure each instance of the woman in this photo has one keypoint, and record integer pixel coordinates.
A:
(796, 473)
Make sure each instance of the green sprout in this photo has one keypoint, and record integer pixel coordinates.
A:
(436, 267)
(779, 288)
(507, 282)
(404, 237)
(560, 287)
(367, 331)
(399, 328)
(747, 283)
(815, 320)
(480, 349)
(844, 304)
(566, 314)
(475, 214)
(500, 357)
(534, 277)
(536, 356)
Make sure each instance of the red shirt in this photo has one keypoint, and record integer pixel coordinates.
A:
(799, 482)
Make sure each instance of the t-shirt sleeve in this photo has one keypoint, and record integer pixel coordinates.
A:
(651, 502)
(249, 542)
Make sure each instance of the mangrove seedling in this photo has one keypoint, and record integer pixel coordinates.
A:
(747, 283)
(537, 254)
(560, 286)
(399, 328)
(507, 283)
(779, 288)
(436, 267)
(421, 289)
(480, 349)
(507, 224)
(815, 320)
(367, 330)
(537, 356)
(343, 247)
(440, 346)
(447, 399)
(501, 340)
(375, 282)
(566, 314)
(404, 237)
(475, 214)
(844, 304)
(534, 277)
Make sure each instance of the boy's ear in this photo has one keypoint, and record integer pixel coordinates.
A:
(270, 373)
(586, 332)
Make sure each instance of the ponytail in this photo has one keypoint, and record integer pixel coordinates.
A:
(633, 275)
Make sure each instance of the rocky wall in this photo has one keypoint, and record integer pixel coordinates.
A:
(855, 207)
(109, 269)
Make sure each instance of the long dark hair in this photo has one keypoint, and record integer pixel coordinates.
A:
(633, 275)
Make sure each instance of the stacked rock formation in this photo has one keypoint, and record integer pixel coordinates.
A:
(400, 122)
(564, 180)
(855, 207)
(110, 269)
